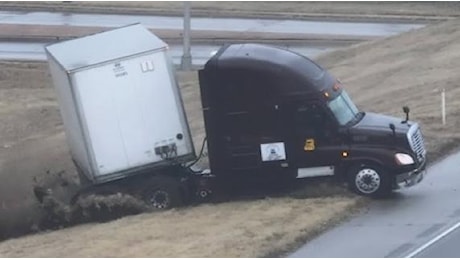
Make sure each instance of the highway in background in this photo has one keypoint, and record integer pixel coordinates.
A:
(210, 24)
(32, 49)
(200, 52)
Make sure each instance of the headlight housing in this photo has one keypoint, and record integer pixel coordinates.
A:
(404, 159)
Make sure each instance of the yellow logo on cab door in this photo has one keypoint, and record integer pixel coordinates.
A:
(309, 144)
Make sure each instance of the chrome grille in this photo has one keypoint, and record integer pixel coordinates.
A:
(416, 141)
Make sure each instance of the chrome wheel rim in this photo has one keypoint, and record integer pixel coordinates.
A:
(367, 181)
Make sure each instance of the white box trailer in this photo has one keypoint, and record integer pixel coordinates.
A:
(120, 103)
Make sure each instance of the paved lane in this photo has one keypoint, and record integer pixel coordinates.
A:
(447, 246)
(200, 53)
(398, 226)
(212, 24)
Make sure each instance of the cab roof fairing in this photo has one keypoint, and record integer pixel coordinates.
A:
(299, 74)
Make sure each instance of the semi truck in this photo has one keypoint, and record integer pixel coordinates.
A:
(268, 113)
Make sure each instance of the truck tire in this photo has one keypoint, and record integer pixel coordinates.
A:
(162, 193)
(369, 179)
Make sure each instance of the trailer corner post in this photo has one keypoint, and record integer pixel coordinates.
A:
(186, 61)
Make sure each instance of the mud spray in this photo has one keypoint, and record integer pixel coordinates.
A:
(88, 208)
(50, 206)
(58, 209)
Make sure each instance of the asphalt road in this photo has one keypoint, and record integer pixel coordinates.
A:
(200, 52)
(401, 225)
(211, 24)
(446, 245)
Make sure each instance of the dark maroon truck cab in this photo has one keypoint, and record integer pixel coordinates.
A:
(270, 111)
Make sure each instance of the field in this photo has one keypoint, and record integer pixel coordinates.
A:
(33, 147)
(290, 10)
(381, 76)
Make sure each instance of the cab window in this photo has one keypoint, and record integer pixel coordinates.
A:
(312, 119)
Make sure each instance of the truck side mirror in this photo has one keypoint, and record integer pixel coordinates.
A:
(406, 110)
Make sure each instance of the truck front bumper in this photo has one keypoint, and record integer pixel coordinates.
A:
(411, 178)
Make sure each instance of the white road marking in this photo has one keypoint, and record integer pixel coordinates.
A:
(432, 241)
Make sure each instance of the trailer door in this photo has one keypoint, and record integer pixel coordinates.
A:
(129, 108)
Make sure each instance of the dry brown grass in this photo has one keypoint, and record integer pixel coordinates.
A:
(424, 10)
(410, 69)
(381, 76)
(234, 229)
(33, 143)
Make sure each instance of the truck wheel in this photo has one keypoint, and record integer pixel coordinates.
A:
(162, 193)
(369, 180)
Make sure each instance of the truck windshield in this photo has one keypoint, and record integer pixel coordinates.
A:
(343, 108)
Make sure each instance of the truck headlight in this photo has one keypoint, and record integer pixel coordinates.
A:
(403, 159)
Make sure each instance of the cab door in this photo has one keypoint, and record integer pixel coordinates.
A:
(315, 141)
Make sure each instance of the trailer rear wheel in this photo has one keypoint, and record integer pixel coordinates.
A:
(162, 193)
(369, 180)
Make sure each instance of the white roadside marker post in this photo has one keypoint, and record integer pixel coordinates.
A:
(443, 106)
